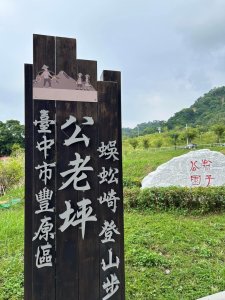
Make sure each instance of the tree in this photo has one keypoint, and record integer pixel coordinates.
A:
(146, 143)
(174, 136)
(191, 133)
(158, 143)
(218, 130)
(133, 142)
(11, 132)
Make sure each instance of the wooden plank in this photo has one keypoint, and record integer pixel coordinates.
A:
(77, 270)
(43, 53)
(67, 241)
(28, 182)
(43, 277)
(88, 247)
(109, 130)
(115, 76)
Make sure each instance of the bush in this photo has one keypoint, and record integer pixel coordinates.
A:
(131, 182)
(12, 171)
(203, 200)
(133, 142)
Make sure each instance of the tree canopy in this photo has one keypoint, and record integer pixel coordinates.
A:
(11, 134)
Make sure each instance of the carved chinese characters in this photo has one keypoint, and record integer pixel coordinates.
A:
(198, 168)
(109, 199)
(200, 172)
(45, 234)
(76, 176)
(74, 238)
(83, 215)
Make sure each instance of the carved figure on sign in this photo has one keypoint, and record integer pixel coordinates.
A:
(87, 83)
(44, 122)
(109, 150)
(43, 197)
(74, 139)
(111, 264)
(43, 256)
(46, 75)
(108, 229)
(111, 200)
(45, 171)
(108, 176)
(82, 216)
(111, 286)
(44, 231)
(77, 173)
(79, 80)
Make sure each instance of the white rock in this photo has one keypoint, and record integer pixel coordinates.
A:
(196, 168)
(218, 296)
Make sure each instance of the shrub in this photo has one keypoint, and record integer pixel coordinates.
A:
(146, 143)
(131, 182)
(203, 200)
(12, 171)
(133, 142)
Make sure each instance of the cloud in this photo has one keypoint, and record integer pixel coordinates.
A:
(169, 52)
(202, 24)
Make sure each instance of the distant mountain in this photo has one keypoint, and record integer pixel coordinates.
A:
(144, 128)
(206, 111)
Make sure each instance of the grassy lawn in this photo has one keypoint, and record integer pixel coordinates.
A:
(138, 163)
(11, 253)
(168, 255)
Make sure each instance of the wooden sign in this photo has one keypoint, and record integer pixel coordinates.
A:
(74, 245)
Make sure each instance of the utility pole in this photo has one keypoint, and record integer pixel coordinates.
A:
(186, 133)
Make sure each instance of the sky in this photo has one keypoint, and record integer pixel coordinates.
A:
(170, 52)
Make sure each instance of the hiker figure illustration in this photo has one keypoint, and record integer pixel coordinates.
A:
(47, 76)
(87, 81)
(80, 81)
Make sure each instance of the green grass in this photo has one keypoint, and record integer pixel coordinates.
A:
(11, 253)
(168, 255)
(174, 257)
(138, 163)
(16, 193)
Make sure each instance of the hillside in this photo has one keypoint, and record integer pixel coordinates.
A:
(206, 111)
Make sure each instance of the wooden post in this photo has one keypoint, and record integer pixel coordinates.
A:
(74, 246)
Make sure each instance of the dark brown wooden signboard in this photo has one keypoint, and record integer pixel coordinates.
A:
(74, 245)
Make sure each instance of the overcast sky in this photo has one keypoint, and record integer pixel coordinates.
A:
(170, 52)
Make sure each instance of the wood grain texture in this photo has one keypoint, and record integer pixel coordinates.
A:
(115, 76)
(28, 280)
(43, 53)
(89, 248)
(108, 112)
(43, 278)
(77, 271)
(67, 241)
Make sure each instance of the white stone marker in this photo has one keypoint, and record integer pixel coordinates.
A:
(196, 168)
(218, 296)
